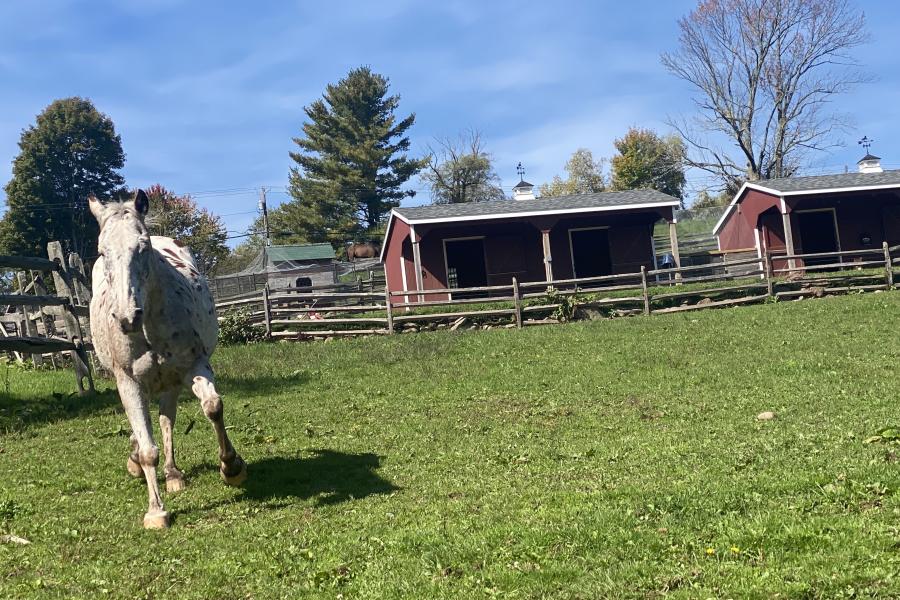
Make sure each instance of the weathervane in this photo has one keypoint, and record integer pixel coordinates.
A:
(521, 171)
(866, 143)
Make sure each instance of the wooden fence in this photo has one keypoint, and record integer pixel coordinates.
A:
(286, 314)
(40, 325)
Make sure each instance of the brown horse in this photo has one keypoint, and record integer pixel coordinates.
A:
(361, 250)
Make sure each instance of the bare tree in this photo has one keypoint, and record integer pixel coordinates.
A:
(765, 71)
(461, 170)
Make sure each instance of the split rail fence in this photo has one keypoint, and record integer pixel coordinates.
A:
(41, 325)
(287, 314)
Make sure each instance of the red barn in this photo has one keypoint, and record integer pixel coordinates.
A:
(818, 214)
(488, 243)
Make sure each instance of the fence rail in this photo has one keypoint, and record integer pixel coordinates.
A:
(289, 314)
(36, 317)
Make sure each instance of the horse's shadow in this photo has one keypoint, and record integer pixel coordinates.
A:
(329, 476)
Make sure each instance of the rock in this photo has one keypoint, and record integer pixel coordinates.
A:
(13, 539)
(765, 416)
(704, 302)
(329, 339)
(510, 326)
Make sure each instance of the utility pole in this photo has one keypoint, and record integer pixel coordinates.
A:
(265, 213)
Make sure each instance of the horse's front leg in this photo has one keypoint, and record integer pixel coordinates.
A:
(200, 380)
(145, 453)
(168, 407)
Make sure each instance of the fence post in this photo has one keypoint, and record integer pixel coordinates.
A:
(644, 290)
(770, 286)
(888, 266)
(517, 300)
(267, 312)
(389, 309)
(47, 320)
(63, 281)
(30, 329)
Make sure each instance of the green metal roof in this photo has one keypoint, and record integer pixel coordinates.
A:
(300, 252)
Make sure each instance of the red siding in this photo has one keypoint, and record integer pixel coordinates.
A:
(738, 231)
(513, 247)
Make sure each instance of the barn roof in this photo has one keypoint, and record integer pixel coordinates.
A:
(815, 184)
(598, 201)
(838, 182)
(300, 252)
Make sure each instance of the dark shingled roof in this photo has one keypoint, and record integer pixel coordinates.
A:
(827, 182)
(598, 200)
(523, 184)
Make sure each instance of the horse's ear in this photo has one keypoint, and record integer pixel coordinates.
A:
(96, 207)
(141, 202)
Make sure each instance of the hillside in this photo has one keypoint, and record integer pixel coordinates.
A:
(603, 459)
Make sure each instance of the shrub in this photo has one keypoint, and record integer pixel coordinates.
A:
(236, 327)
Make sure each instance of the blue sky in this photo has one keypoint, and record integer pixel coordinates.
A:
(207, 95)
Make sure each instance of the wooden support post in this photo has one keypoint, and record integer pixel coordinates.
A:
(29, 328)
(788, 239)
(770, 285)
(41, 290)
(63, 282)
(888, 266)
(390, 310)
(417, 265)
(645, 290)
(676, 253)
(517, 300)
(548, 258)
(267, 310)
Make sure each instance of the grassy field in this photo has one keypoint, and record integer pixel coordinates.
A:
(607, 459)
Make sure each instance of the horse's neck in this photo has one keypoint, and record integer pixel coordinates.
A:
(155, 283)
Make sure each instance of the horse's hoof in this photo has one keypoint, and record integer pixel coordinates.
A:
(134, 469)
(174, 484)
(239, 469)
(157, 520)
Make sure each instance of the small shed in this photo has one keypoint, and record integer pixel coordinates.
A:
(296, 265)
(532, 239)
(816, 214)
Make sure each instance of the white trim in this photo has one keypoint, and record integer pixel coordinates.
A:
(538, 213)
(837, 232)
(783, 205)
(572, 250)
(403, 272)
(447, 265)
(758, 247)
(652, 251)
(773, 192)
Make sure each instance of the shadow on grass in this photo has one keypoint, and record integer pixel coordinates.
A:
(17, 414)
(259, 384)
(328, 476)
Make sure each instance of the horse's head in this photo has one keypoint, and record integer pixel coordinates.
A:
(124, 247)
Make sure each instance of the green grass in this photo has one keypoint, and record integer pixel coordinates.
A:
(608, 459)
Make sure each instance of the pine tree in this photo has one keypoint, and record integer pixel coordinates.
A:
(352, 161)
(71, 152)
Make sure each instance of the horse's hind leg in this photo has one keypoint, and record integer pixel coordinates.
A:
(168, 406)
(200, 380)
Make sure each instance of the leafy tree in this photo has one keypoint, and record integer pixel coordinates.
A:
(585, 175)
(241, 256)
(461, 171)
(71, 152)
(180, 218)
(707, 200)
(351, 163)
(765, 73)
(646, 160)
